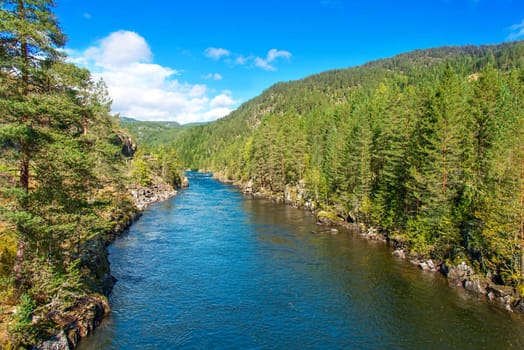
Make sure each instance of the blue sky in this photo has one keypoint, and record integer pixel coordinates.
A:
(197, 60)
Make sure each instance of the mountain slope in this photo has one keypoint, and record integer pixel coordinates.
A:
(426, 145)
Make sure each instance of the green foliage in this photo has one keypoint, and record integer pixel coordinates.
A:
(427, 145)
(140, 172)
(20, 328)
(61, 167)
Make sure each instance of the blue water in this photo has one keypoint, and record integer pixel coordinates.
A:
(213, 269)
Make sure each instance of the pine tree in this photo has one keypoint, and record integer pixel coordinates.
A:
(444, 151)
(30, 37)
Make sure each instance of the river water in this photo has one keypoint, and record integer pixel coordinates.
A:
(213, 269)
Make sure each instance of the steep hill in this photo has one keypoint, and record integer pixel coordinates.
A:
(428, 146)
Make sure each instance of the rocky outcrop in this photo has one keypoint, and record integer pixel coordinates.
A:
(128, 146)
(57, 342)
(465, 277)
(94, 262)
(158, 191)
(76, 322)
(327, 218)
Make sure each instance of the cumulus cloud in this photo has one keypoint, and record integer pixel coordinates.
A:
(120, 48)
(222, 100)
(272, 55)
(213, 76)
(216, 53)
(517, 31)
(147, 91)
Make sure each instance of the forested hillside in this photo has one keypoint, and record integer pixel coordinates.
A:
(428, 146)
(63, 183)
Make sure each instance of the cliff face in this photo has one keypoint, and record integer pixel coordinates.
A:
(127, 144)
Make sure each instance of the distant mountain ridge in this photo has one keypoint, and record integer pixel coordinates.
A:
(154, 132)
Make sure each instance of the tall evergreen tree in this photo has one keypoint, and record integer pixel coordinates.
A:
(30, 38)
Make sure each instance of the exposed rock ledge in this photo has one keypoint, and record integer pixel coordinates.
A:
(158, 191)
(464, 276)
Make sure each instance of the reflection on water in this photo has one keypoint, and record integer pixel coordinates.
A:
(213, 269)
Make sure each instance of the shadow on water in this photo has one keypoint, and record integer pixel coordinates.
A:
(214, 269)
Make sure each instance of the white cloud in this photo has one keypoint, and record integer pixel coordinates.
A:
(120, 48)
(222, 100)
(517, 31)
(216, 53)
(272, 55)
(144, 90)
(241, 60)
(213, 76)
(87, 15)
(264, 64)
(216, 113)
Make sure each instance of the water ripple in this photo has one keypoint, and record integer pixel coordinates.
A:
(211, 269)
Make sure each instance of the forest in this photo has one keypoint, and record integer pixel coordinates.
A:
(66, 167)
(427, 146)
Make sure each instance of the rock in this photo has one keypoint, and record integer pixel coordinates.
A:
(94, 258)
(519, 305)
(333, 231)
(423, 266)
(248, 187)
(327, 218)
(108, 282)
(373, 234)
(58, 342)
(458, 274)
(156, 192)
(399, 253)
(185, 182)
(476, 285)
(128, 147)
(431, 265)
(500, 291)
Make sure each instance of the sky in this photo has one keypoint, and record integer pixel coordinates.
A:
(198, 60)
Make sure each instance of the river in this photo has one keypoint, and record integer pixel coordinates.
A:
(213, 269)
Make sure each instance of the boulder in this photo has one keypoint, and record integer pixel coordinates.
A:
(327, 218)
(399, 253)
(458, 274)
(500, 291)
(476, 285)
(423, 266)
(58, 342)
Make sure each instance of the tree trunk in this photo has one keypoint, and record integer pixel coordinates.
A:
(18, 268)
(24, 170)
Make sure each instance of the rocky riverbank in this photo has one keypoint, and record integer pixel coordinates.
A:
(80, 319)
(464, 276)
(461, 275)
